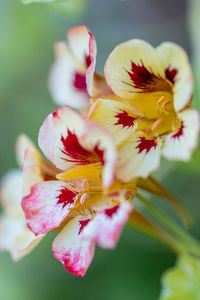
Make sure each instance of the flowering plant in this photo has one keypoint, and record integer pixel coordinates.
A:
(101, 146)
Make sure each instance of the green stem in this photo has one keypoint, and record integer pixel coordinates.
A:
(190, 243)
(164, 238)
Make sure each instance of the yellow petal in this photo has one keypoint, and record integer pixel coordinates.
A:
(134, 67)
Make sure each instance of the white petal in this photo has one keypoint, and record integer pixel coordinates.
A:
(180, 145)
(74, 252)
(175, 62)
(67, 80)
(11, 193)
(138, 157)
(16, 238)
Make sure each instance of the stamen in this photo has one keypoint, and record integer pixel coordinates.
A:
(83, 198)
(164, 105)
(156, 124)
(160, 100)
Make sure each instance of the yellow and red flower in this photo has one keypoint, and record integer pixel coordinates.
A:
(85, 190)
(77, 193)
(148, 112)
(144, 99)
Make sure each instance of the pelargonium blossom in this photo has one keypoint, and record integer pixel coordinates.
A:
(78, 193)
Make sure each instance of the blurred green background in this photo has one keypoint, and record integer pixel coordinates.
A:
(134, 268)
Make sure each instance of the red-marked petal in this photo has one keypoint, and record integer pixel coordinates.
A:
(134, 67)
(115, 116)
(47, 205)
(107, 225)
(178, 71)
(67, 81)
(74, 252)
(68, 141)
(146, 144)
(124, 119)
(91, 64)
(78, 39)
(138, 157)
(180, 145)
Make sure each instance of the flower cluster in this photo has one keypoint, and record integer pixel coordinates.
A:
(96, 157)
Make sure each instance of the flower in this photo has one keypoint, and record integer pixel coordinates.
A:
(148, 111)
(85, 189)
(144, 99)
(15, 236)
(78, 193)
(72, 75)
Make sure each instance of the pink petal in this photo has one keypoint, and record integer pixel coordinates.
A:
(107, 225)
(91, 67)
(74, 252)
(47, 205)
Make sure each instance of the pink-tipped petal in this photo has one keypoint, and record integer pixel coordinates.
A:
(91, 67)
(78, 39)
(83, 46)
(181, 144)
(107, 225)
(73, 251)
(47, 205)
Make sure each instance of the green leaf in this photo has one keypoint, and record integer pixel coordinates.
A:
(71, 7)
(183, 281)
(42, 1)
